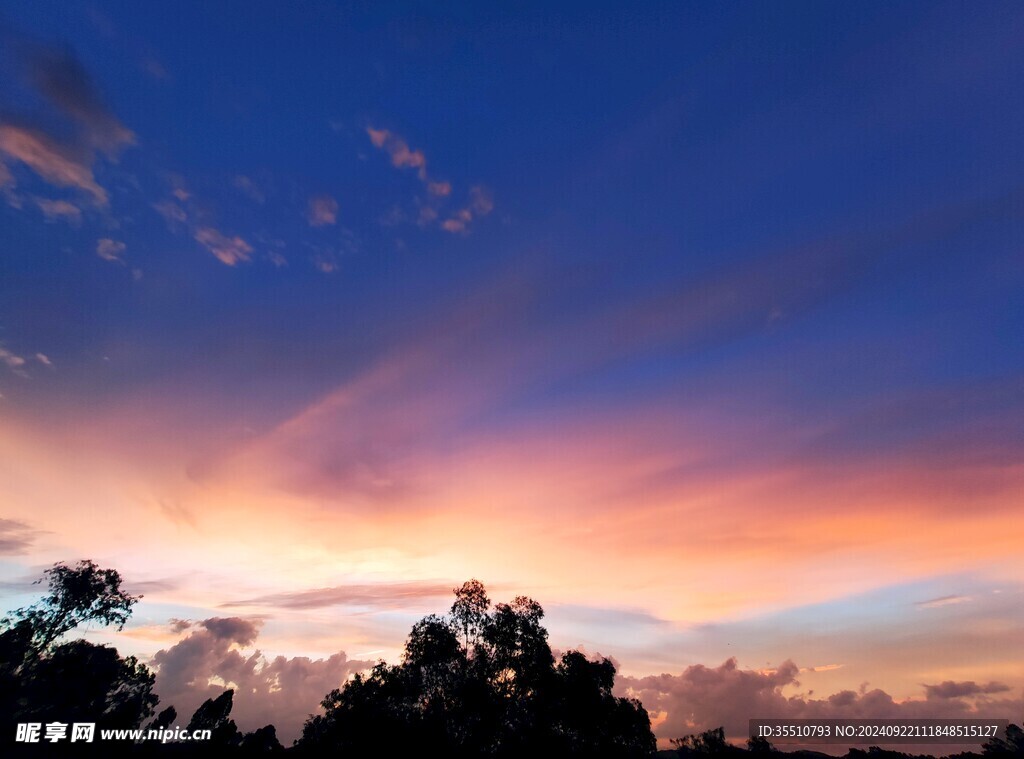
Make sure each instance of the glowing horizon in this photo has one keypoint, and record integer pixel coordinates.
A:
(715, 353)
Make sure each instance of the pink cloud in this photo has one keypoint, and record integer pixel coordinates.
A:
(12, 360)
(110, 250)
(441, 189)
(322, 211)
(481, 203)
(228, 250)
(402, 156)
(49, 160)
(60, 209)
(280, 690)
(702, 698)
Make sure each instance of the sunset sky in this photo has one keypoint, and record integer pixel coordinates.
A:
(702, 324)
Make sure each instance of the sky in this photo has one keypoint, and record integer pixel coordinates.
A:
(699, 323)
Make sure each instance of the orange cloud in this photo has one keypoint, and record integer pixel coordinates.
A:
(228, 250)
(402, 156)
(50, 161)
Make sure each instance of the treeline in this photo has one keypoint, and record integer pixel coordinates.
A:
(479, 681)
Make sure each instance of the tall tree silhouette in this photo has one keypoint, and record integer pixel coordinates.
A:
(79, 594)
(214, 714)
(45, 679)
(482, 681)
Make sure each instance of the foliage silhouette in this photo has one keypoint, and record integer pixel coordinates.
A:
(42, 679)
(214, 714)
(1010, 747)
(79, 594)
(482, 682)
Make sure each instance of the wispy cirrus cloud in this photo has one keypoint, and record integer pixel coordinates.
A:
(62, 210)
(935, 603)
(15, 537)
(380, 596)
(965, 689)
(53, 162)
(62, 157)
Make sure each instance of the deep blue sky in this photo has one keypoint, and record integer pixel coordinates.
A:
(683, 312)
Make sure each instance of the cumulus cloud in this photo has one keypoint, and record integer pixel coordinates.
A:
(55, 210)
(228, 250)
(322, 211)
(402, 156)
(217, 653)
(110, 250)
(701, 698)
(459, 222)
(180, 625)
(480, 203)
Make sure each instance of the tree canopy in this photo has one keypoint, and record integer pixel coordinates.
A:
(482, 681)
(46, 678)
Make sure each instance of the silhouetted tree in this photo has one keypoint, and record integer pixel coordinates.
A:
(214, 714)
(711, 743)
(469, 612)
(759, 745)
(164, 719)
(261, 741)
(1010, 747)
(82, 682)
(79, 594)
(482, 682)
(43, 679)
